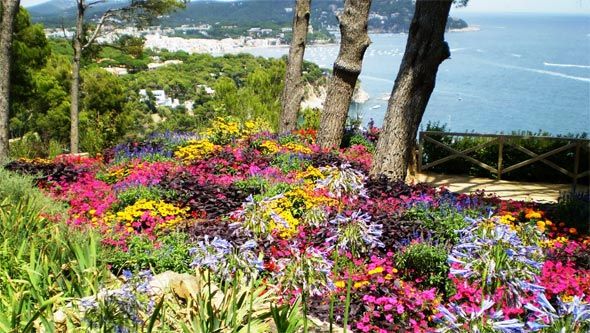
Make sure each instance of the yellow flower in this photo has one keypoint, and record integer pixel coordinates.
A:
(360, 284)
(297, 148)
(340, 284)
(224, 130)
(376, 270)
(269, 147)
(533, 215)
(155, 208)
(567, 298)
(196, 150)
(541, 226)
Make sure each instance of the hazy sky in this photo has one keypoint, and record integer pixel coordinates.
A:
(544, 6)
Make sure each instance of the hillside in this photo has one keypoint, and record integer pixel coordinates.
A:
(386, 15)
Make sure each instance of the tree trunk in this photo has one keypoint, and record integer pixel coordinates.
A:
(293, 90)
(353, 44)
(426, 49)
(9, 11)
(75, 88)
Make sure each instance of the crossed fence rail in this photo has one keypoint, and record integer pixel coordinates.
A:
(575, 144)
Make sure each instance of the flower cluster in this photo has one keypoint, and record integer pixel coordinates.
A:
(120, 310)
(196, 150)
(149, 215)
(223, 258)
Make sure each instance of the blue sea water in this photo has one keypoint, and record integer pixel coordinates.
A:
(517, 72)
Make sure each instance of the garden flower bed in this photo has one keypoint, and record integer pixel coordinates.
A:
(371, 254)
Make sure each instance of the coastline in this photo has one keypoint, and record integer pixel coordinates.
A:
(471, 28)
(239, 44)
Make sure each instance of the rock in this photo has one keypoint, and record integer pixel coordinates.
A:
(360, 96)
(60, 319)
(184, 286)
(319, 326)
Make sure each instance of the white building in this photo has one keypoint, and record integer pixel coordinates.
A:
(160, 98)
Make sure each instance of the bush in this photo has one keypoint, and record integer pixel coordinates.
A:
(573, 208)
(426, 264)
(170, 253)
(15, 188)
(133, 194)
(443, 222)
(42, 263)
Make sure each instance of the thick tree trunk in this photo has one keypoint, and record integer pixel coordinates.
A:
(293, 90)
(75, 88)
(353, 44)
(9, 11)
(426, 49)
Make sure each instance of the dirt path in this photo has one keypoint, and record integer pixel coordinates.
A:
(503, 188)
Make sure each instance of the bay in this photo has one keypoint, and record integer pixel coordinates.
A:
(517, 72)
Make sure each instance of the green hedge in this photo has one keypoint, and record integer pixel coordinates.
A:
(535, 172)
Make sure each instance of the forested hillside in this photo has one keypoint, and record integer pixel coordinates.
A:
(386, 15)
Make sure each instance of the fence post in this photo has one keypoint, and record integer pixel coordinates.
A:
(576, 168)
(420, 151)
(500, 151)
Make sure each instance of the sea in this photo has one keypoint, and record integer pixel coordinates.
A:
(515, 72)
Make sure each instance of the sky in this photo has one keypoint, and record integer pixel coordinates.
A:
(538, 6)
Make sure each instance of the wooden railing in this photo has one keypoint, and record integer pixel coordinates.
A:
(502, 140)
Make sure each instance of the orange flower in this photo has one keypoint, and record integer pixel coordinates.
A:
(573, 231)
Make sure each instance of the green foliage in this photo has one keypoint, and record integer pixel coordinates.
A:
(575, 208)
(28, 146)
(443, 221)
(131, 195)
(358, 139)
(290, 162)
(287, 318)
(42, 263)
(170, 253)
(16, 187)
(233, 306)
(254, 184)
(30, 51)
(275, 189)
(427, 263)
(309, 118)
(106, 117)
(246, 87)
(50, 110)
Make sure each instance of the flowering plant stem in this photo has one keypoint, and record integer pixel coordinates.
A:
(331, 313)
(347, 302)
(304, 295)
(251, 287)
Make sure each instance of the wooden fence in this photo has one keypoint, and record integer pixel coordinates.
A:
(502, 140)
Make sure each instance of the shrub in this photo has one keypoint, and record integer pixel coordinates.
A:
(169, 253)
(443, 222)
(131, 195)
(42, 263)
(426, 264)
(573, 208)
(15, 188)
